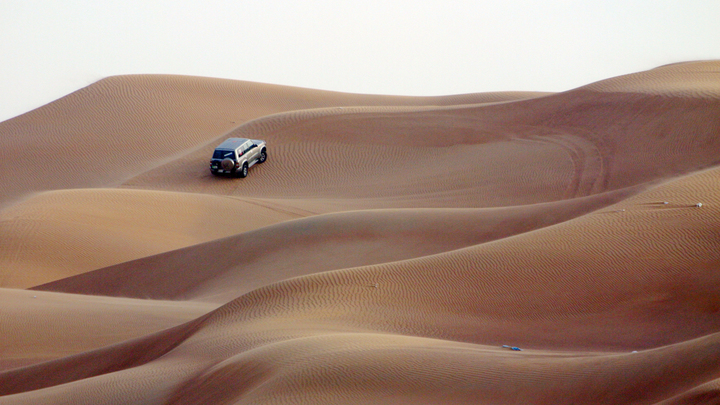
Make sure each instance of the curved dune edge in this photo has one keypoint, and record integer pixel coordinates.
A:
(407, 368)
(110, 359)
(704, 393)
(398, 245)
(690, 79)
(112, 130)
(39, 326)
(61, 233)
(269, 344)
(581, 142)
(413, 369)
(224, 269)
(569, 283)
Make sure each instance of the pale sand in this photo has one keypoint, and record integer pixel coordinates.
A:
(384, 253)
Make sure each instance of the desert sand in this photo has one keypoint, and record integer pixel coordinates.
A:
(392, 250)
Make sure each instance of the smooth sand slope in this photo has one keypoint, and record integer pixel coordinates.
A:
(385, 252)
(38, 326)
(58, 234)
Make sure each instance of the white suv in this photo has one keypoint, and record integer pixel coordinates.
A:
(236, 155)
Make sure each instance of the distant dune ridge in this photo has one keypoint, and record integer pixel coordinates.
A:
(391, 250)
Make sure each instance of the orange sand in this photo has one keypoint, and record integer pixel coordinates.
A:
(384, 253)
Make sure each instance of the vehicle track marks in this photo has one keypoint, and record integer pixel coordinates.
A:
(590, 171)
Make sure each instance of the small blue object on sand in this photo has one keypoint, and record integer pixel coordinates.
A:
(517, 349)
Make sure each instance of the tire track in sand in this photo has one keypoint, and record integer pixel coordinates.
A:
(589, 170)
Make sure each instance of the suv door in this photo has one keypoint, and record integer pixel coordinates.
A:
(242, 156)
(253, 153)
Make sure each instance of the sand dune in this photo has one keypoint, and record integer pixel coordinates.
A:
(694, 80)
(385, 253)
(62, 233)
(119, 126)
(226, 268)
(39, 326)
(559, 146)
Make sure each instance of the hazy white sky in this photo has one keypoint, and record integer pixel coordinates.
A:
(49, 48)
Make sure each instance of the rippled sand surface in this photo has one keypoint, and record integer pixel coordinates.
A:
(498, 248)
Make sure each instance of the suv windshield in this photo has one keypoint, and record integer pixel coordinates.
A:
(222, 154)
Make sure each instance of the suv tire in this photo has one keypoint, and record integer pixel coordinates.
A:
(263, 156)
(243, 172)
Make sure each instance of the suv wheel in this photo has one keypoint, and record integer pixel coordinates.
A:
(263, 156)
(244, 171)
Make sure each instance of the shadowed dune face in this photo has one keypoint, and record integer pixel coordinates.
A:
(226, 268)
(385, 252)
(40, 326)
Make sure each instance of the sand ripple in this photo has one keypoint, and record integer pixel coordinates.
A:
(391, 249)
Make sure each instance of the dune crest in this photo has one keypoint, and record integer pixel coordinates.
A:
(690, 79)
